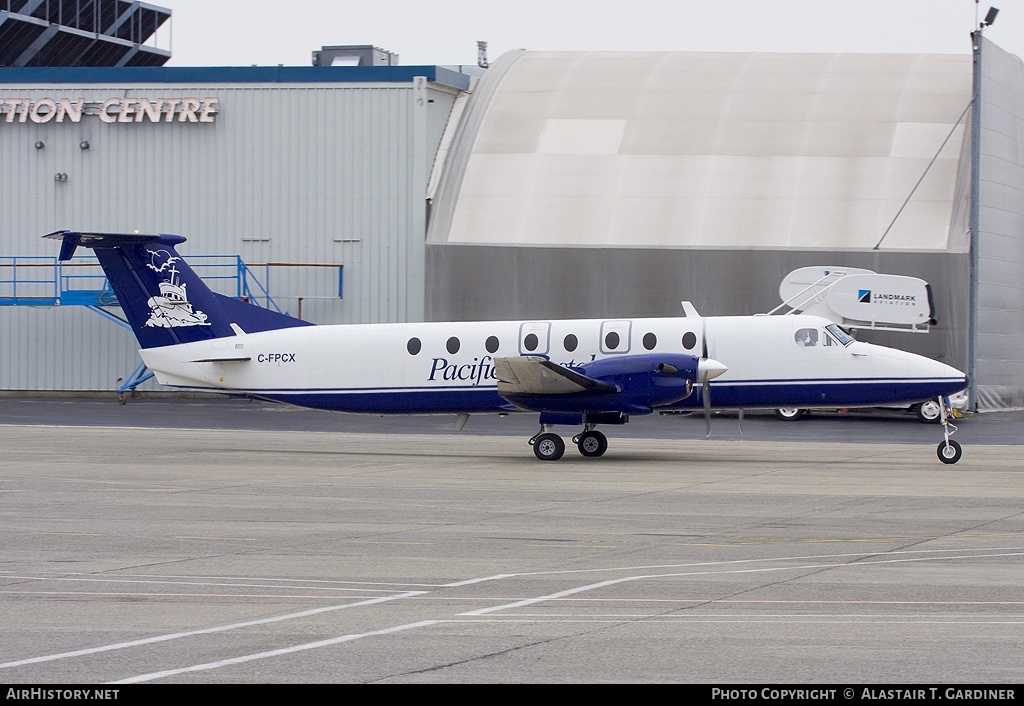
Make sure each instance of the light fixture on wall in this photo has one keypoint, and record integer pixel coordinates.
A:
(40, 145)
(84, 145)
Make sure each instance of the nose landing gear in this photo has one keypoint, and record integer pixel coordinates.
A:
(948, 450)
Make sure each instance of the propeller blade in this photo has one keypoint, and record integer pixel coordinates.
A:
(706, 396)
(703, 337)
(707, 368)
(705, 378)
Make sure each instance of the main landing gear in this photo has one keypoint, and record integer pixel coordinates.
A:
(948, 450)
(550, 447)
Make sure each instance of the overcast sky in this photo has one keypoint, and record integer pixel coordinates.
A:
(246, 32)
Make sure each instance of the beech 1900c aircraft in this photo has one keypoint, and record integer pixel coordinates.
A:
(579, 372)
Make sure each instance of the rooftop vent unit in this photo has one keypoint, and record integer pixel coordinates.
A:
(354, 55)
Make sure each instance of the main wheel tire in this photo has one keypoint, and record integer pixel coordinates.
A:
(928, 412)
(592, 444)
(950, 453)
(789, 414)
(548, 447)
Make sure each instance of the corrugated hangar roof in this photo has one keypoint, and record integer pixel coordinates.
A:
(685, 149)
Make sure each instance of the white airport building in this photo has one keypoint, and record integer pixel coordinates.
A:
(555, 185)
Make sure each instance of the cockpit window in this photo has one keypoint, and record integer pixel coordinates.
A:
(840, 334)
(807, 337)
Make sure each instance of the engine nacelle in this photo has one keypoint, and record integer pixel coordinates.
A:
(633, 384)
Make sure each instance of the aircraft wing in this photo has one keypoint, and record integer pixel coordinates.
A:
(533, 375)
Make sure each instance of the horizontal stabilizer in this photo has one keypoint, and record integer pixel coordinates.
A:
(72, 239)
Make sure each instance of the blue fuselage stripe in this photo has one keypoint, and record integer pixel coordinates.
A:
(750, 394)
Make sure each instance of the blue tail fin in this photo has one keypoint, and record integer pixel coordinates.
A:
(165, 302)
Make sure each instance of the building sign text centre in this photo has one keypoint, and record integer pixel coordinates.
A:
(111, 110)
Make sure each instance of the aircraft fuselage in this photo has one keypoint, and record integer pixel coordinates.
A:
(773, 361)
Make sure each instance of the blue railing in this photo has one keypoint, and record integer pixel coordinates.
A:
(81, 282)
(44, 281)
(28, 280)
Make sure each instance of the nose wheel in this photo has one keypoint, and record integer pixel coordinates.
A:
(948, 450)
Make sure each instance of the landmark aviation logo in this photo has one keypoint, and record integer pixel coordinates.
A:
(866, 296)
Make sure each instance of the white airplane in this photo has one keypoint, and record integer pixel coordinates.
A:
(577, 372)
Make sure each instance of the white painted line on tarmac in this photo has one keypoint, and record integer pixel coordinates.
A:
(163, 582)
(726, 617)
(272, 653)
(204, 631)
(470, 582)
(198, 580)
(667, 620)
(804, 557)
(1003, 552)
(803, 567)
(570, 592)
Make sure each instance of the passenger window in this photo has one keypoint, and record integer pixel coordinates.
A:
(452, 345)
(413, 346)
(689, 340)
(807, 337)
(570, 342)
(650, 341)
(531, 342)
(491, 344)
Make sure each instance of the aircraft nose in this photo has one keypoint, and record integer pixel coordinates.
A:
(709, 368)
(949, 378)
(952, 372)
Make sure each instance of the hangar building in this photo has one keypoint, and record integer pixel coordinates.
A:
(559, 185)
(611, 184)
